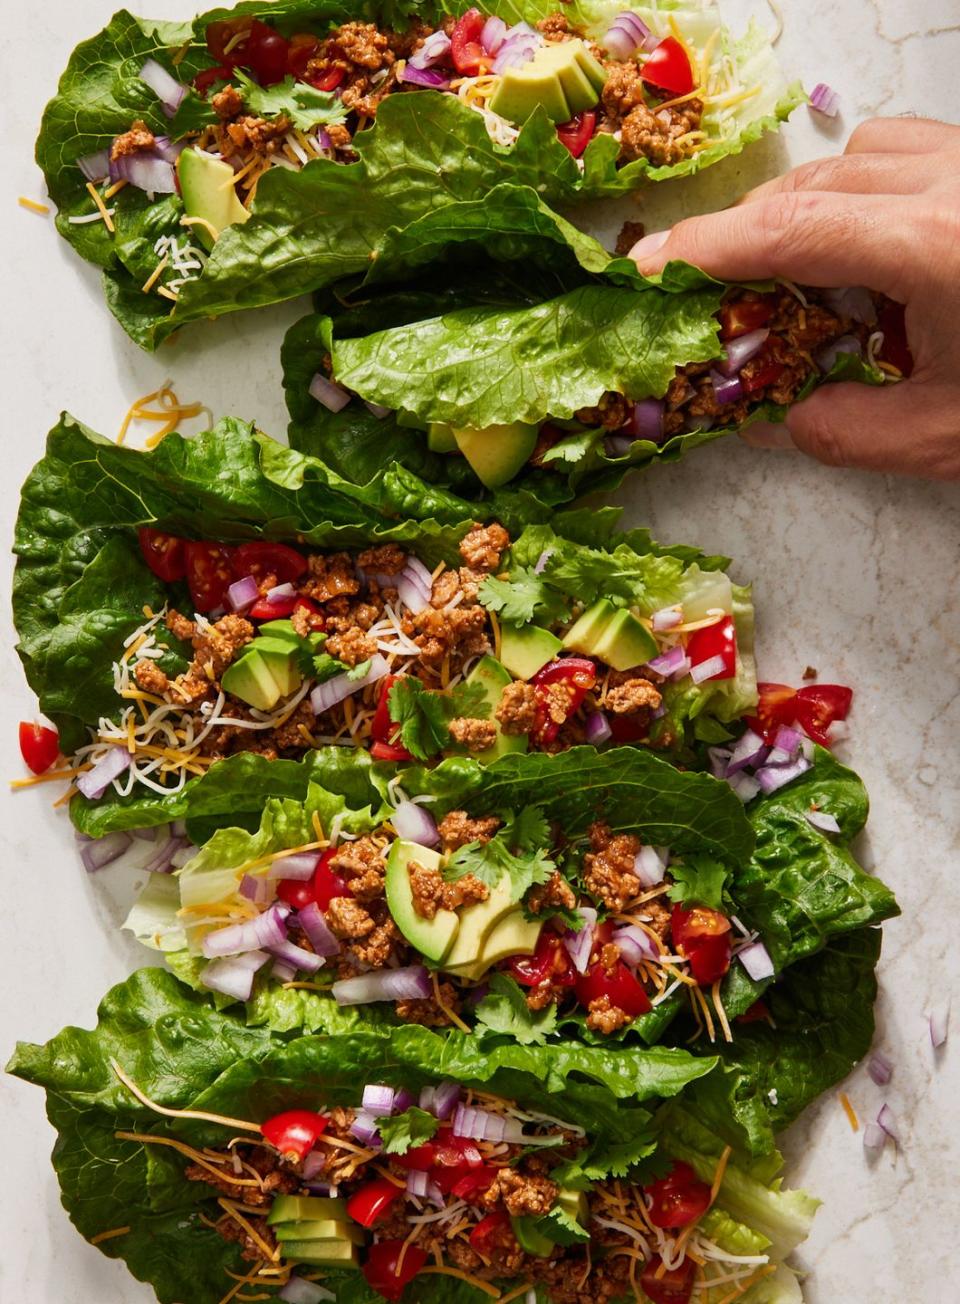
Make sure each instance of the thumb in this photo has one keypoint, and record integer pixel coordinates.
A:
(907, 428)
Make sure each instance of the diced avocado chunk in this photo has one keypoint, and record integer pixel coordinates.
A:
(625, 642)
(497, 453)
(525, 649)
(321, 1229)
(282, 660)
(531, 1238)
(250, 679)
(564, 78)
(284, 629)
(306, 1208)
(574, 1203)
(441, 439)
(207, 189)
(434, 937)
(490, 931)
(493, 677)
(322, 1254)
(584, 632)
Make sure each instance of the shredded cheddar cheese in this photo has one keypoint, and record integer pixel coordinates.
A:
(33, 205)
(101, 206)
(850, 1112)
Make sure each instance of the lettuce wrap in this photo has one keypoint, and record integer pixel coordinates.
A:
(137, 148)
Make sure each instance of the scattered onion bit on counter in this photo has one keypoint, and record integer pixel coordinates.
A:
(850, 1112)
(171, 413)
(33, 205)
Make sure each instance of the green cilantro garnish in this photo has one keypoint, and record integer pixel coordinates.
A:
(404, 1131)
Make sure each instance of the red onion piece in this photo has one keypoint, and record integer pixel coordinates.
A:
(669, 663)
(597, 729)
(417, 1184)
(299, 1291)
(750, 749)
(493, 34)
(167, 149)
(649, 867)
(755, 958)
(168, 90)
(646, 420)
(887, 1119)
(826, 359)
(719, 758)
(282, 971)
(100, 852)
(854, 302)
(297, 956)
(939, 1020)
(298, 867)
(745, 786)
(234, 976)
(709, 669)
(428, 78)
(328, 694)
(411, 594)
(410, 983)
(255, 888)
(440, 1100)
(628, 33)
(874, 1137)
(879, 1068)
(147, 172)
(310, 919)
(541, 564)
(617, 445)
(726, 389)
(788, 740)
(378, 410)
(378, 1100)
(516, 49)
(825, 100)
(580, 943)
(280, 592)
(243, 593)
(267, 930)
(333, 397)
(422, 577)
(111, 765)
(313, 1165)
(820, 819)
(415, 824)
(402, 1100)
(434, 50)
(366, 1129)
(161, 862)
(773, 777)
(742, 349)
(635, 945)
(666, 618)
(95, 167)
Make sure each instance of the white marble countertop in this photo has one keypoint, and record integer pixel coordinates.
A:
(855, 574)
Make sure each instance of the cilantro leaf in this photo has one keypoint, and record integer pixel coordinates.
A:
(323, 666)
(637, 1158)
(358, 671)
(527, 830)
(521, 598)
(402, 1132)
(505, 1010)
(574, 448)
(699, 878)
(561, 1227)
(303, 104)
(424, 714)
(512, 851)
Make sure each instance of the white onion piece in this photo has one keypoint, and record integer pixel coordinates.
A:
(755, 958)
(939, 1020)
(234, 976)
(649, 867)
(415, 824)
(328, 694)
(874, 1137)
(333, 397)
(820, 819)
(111, 765)
(299, 1291)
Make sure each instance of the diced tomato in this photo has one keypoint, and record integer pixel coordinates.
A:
(490, 1231)
(549, 961)
(620, 985)
(578, 674)
(469, 57)
(896, 348)
(717, 640)
(368, 1204)
(757, 1013)
(677, 1199)
(329, 80)
(384, 1271)
(669, 68)
(164, 553)
(294, 1132)
(383, 727)
(767, 373)
(39, 746)
(704, 937)
(390, 752)
(472, 1183)
(453, 1162)
(263, 558)
(265, 54)
(777, 707)
(322, 887)
(672, 1285)
(209, 573)
(818, 706)
(626, 728)
(280, 609)
(300, 50)
(208, 77)
(578, 132)
(743, 316)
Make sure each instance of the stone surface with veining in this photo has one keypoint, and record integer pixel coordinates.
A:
(854, 574)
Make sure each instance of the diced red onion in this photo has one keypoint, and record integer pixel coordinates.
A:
(773, 777)
(482, 1125)
(649, 867)
(146, 171)
(151, 833)
(726, 389)
(408, 984)
(417, 1184)
(282, 971)
(826, 359)
(541, 564)
(328, 694)
(825, 100)
(419, 573)
(492, 35)
(719, 758)
(440, 1100)
(267, 930)
(100, 852)
(378, 1100)
(255, 888)
(161, 862)
(750, 749)
(646, 420)
(854, 302)
(887, 1119)
(168, 90)
(939, 1020)
(310, 919)
(627, 34)
(579, 943)
(298, 956)
(788, 740)
(179, 828)
(434, 50)
(280, 592)
(411, 588)
(313, 1165)
(742, 349)
(666, 618)
(669, 663)
(414, 823)
(820, 819)
(111, 765)
(243, 593)
(365, 1128)
(635, 945)
(168, 149)
(518, 48)
(617, 445)
(323, 139)
(402, 1100)
(299, 1291)
(755, 958)
(429, 78)
(95, 167)
(378, 410)
(708, 669)
(879, 1068)
(745, 786)
(597, 729)
(333, 397)
(874, 1137)
(234, 976)
(298, 867)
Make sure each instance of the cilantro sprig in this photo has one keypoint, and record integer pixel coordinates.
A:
(424, 714)
(302, 103)
(516, 850)
(403, 1132)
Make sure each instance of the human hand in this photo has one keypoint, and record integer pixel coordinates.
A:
(885, 215)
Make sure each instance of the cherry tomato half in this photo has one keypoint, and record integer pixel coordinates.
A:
(757, 1013)
(469, 57)
(777, 707)
(669, 68)
(39, 746)
(368, 1204)
(717, 640)
(620, 986)
(390, 752)
(677, 1199)
(208, 77)
(818, 706)
(578, 675)
(321, 888)
(383, 727)
(549, 961)
(672, 1286)
(384, 1271)
(704, 937)
(262, 558)
(896, 348)
(209, 573)
(743, 316)
(761, 372)
(300, 50)
(495, 1229)
(294, 1132)
(328, 80)
(164, 553)
(265, 54)
(578, 132)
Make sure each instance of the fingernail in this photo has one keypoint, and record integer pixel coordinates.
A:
(646, 249)
(766, 434)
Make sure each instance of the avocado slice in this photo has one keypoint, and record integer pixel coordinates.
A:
(434, 937)
(564, 78)
(322, 1229)
(584, 632)
(441, 438)
(207, 190)
(530, 1238)
(305, 1208)
(322, 1254)
(493, 678)
(282, 660)
(251, 679)
(497, 453)
(490, 931)
(283, 629)
(525, 649)
(625, 642)
(513, 935)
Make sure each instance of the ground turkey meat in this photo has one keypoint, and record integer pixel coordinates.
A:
(608, 869)
(655, 134)
(658, 920)
(556, 893)
(461, 631)
(432, 893)
(294, 734)
(522, 1194)
(227, 103)
(251, 1251)
(138, 138)
(352, 646)
(457, 829)
(362, 864)
(475, 735)
(555, 27)
(347, 918)
(329, 577)
(635, 695)
(251, 133)
(374, 950)
(570, 1283)
(387, 559)
(429, 1012)
(276, 1179)
(179, 626)
(603, 1016)
(217, 647)
(630, 233)
(611, 412)
(481, 548)
(517, 711)
(150, 677)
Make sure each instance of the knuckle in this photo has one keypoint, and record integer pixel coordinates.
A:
(783, 220)
(864, 135)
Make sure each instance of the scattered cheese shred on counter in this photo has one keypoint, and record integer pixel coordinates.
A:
(171, 412)
(33, 205)
(850, 1112)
